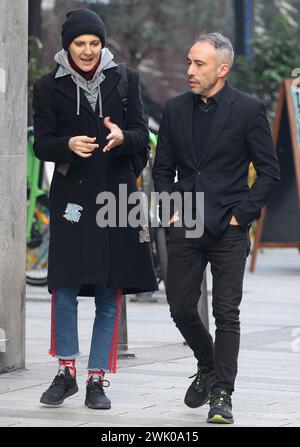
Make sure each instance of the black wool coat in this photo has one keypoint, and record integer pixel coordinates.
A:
(239, 134)
(81, 252)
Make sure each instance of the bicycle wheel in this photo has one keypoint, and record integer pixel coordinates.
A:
(37, 246)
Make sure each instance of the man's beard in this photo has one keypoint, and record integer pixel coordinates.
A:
(208, 87)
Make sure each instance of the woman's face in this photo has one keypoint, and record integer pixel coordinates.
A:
(85, 51)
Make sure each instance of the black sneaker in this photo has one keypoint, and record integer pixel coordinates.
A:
(95, 396)
(220, 408)
(199, 391)
(62, 387)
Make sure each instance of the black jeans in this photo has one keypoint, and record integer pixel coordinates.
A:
(187, 260)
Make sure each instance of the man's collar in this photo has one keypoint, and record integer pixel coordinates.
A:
(217, 96)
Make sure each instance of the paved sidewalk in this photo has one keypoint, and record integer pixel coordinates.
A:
(148, 390)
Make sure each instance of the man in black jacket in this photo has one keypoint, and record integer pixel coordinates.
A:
(209, 136)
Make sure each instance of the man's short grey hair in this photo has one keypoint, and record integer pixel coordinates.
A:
(222, 45)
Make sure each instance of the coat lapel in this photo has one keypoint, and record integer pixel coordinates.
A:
(187, 124)
(111, 80)
(222, 114)
(67, 87)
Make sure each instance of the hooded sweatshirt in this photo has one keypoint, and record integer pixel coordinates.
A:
(91, 88)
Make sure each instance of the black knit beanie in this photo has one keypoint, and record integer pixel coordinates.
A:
(81, 21)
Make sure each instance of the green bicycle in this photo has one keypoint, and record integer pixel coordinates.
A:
(37, 226)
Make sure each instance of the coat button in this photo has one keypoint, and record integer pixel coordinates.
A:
(198, 172)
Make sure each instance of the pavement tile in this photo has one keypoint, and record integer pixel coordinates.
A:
(148, 390)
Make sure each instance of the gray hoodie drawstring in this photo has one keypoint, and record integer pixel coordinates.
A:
(100, 102)
(78, 98)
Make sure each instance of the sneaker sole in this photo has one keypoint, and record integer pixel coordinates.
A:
(218, 419)
(59, 402)
(97, 407)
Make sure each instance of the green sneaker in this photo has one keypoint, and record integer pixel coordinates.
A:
(220, 408)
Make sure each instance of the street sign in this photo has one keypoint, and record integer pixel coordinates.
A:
(279, 225)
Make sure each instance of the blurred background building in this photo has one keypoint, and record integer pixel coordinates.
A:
(153, 37)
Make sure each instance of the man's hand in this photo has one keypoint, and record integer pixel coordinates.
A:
(174, 218)
(83, 145)
(233, 221)
(115, 138)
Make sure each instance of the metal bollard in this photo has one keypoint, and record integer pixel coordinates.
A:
(123, 337)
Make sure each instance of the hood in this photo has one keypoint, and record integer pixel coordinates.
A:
(65, 69)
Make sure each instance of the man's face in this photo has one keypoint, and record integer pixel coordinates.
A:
(204, 68)
(85, 51)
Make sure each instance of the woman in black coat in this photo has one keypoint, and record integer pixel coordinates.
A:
(81, 126)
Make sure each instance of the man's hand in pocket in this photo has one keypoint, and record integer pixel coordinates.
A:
(233, 221)
(174, 218)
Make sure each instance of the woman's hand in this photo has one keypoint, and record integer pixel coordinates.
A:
(115, 138)
(83, 145)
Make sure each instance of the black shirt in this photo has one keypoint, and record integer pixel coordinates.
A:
(203, 115)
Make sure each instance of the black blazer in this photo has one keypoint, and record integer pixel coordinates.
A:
(240, 133)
